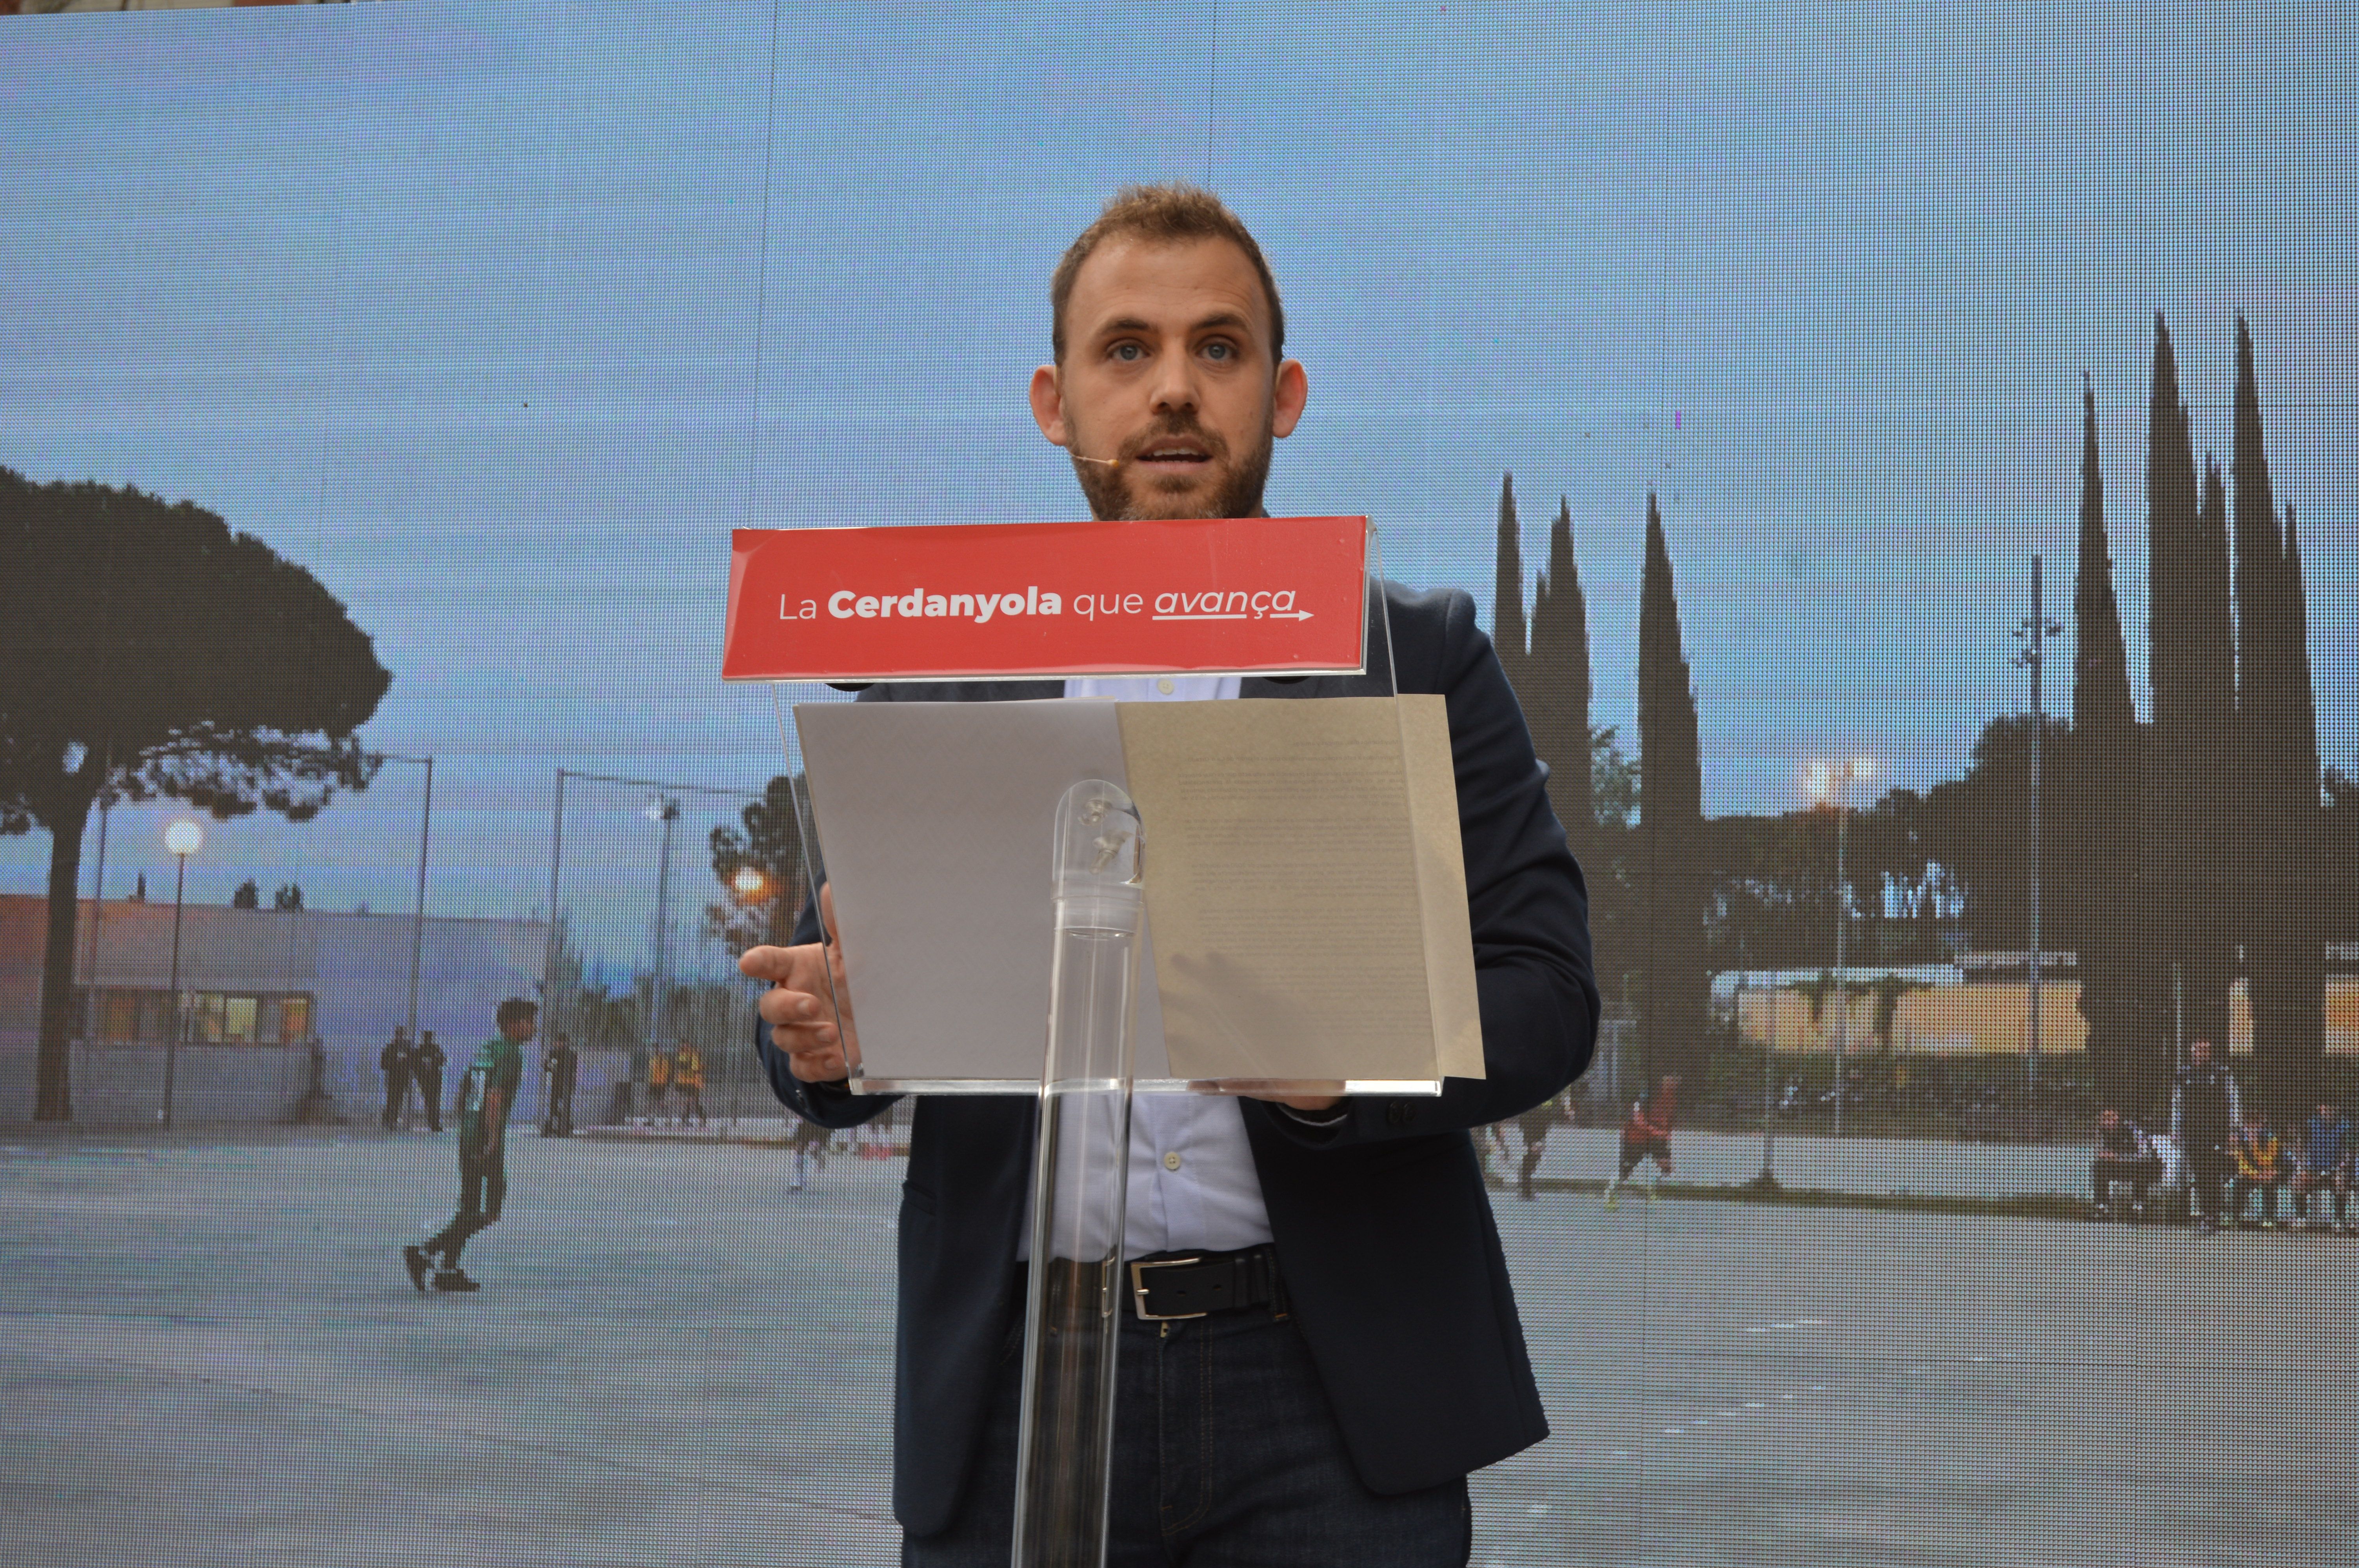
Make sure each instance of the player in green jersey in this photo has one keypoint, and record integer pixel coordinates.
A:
(487, 1091)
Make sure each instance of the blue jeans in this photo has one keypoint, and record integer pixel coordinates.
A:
(1226, 1455)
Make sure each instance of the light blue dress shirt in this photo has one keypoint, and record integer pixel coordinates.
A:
(1193, 1182)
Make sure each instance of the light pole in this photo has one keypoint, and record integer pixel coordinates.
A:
(184, 839)
(1832, 781)
(2034, 629)
(1770, 1090)
(664, 809)
(418, 913)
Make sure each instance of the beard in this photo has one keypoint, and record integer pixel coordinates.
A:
(1109, 490)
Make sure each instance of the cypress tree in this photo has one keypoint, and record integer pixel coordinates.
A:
(1669, 859)
(2184, 931)
(2279, 901)
(2098, 838)
(1507, 589)
(1556, 683)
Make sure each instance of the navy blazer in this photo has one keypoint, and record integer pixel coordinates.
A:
(1383, 1226)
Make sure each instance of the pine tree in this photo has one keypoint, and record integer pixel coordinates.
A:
(2098, 838)
(1508, 591)
(147, 651)
(1669, 862)
(1556, 692)
(2189, 959)
(2279, 899)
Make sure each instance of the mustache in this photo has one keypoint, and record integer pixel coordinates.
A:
(1173, 429)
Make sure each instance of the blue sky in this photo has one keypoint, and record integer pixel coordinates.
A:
(498, 317)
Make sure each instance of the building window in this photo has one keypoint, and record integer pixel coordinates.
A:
(126, 1016)
(238, 1014)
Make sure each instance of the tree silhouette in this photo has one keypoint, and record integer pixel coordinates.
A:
(2185, 856)
(770, 844)
(2099, 836)
(247, 896)
(146, 651)
(1668, 859)
(2282, 902)
(1508, 588)
(1557, 688)
(1973, 827)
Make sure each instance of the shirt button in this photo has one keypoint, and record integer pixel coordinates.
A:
(1171, 1161)
(1164, 685)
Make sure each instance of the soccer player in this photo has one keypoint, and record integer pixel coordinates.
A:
(1647, 1136)
(486, 1090)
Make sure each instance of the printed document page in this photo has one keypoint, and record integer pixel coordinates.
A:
(1305, 892)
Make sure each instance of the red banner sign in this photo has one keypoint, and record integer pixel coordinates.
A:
(1250, 595)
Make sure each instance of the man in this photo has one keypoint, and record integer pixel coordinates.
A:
(2125, 1157)
(810, 1149)
(687, 1082)
(394, 1061)
(428, 1064)
(2261, 1161)
(2205, 1111)
(487, 1091)
(1373, 1356)
(658, 1081)
(560, 1067)
(1534, 1124)
(1647, 1136)
(317, 1104)
(2325, 1166)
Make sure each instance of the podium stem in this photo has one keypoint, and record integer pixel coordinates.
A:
(1074, 1297)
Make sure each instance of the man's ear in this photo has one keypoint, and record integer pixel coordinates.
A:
(1286, 398)
(1049, 405)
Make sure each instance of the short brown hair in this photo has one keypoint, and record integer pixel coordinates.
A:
(515, 1009)
(1169, 213)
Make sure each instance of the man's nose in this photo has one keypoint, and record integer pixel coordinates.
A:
(1174, 385)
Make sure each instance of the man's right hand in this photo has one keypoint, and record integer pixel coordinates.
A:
(801, 1005)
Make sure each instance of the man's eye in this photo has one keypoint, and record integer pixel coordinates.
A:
(1219, 350)
(1127, 352)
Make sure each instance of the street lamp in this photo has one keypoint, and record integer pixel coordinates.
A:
(2034, 629)
(1830, 783)
(184, 839)
(750, 884)
(418, 912)
(664, 809)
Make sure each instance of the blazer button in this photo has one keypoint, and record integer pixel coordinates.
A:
(1400, 1113)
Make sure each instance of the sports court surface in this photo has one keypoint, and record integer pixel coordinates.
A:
(209, 1354)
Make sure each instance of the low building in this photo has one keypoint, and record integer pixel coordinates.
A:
(257, 985)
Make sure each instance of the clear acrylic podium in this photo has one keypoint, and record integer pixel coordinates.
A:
(1087, 901)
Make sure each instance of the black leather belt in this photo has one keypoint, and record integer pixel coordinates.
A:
(1168, 1285)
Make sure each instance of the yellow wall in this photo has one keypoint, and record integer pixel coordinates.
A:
(1981, 1016)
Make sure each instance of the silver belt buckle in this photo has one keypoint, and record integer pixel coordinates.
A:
(1139, 1290)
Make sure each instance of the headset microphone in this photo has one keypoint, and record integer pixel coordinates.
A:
(1104, 462)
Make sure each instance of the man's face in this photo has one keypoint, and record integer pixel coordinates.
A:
(521, 1029)
(2200, 1052)
(2109, 1119)
(1169, 398)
